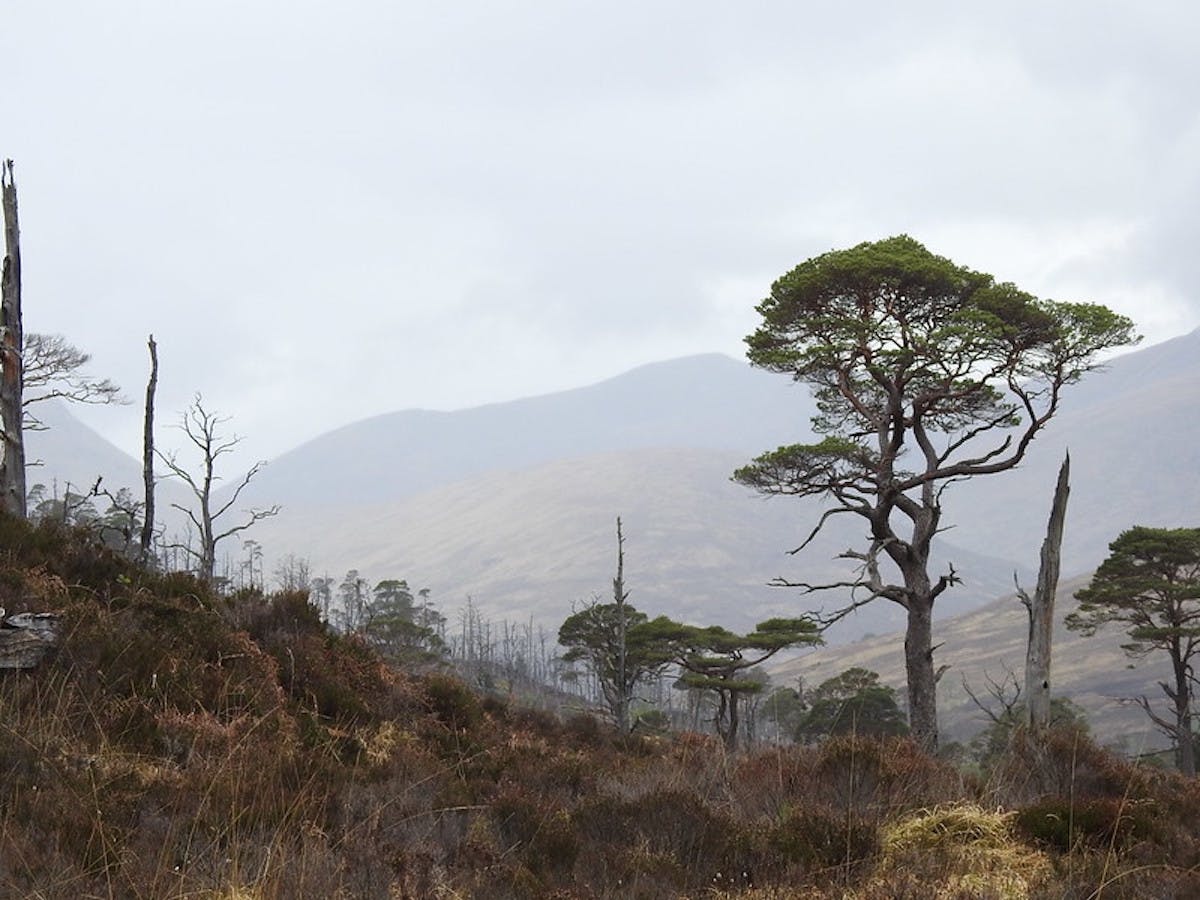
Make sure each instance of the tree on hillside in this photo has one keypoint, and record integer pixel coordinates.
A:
(602, 636)
(784, 708)
(994, 739)
(718, 661)
(353, 593)
(1150, 584)
(294, 573)
(321, 591)
(72, 508)
(854, 702)
(12, 459)
(924, 373)
(612, 642)
(203, 430)
(401, 629)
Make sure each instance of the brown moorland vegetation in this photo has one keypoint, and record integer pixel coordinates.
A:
(183, 745)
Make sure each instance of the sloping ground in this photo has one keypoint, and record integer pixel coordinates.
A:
(990, 643)
(179, 745)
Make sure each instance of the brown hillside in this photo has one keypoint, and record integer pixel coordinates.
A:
(990, 642)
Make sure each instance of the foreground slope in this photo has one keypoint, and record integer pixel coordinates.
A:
(182, 745)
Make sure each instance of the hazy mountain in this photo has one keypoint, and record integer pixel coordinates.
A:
(708, 402)
(514, 503)
(69, 452)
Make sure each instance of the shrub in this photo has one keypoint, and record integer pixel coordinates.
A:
(451, 702)
(819, 839)
(1064, 824)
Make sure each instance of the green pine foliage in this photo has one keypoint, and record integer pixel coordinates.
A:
(854, 702)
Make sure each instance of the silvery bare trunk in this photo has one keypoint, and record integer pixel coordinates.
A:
(1041, 609)
(12, 465)
(619, 597)
(148, 453)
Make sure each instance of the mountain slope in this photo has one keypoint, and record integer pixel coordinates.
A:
(513, 503)
(68, 451)
(530, 542)
(990, 643)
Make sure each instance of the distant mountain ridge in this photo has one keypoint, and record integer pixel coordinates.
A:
(703, 402)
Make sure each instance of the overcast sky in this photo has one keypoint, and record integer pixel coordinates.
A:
(326, 211)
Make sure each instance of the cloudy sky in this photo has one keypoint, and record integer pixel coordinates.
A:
(325, 211)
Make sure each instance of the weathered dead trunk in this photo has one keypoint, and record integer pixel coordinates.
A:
(148, 453)
(1041, 609)
(12, 465)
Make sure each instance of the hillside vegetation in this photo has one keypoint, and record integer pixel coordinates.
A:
(179, 744)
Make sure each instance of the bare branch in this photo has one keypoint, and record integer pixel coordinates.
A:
(256, 515)
(53, 369)
(825, 516)
(999, 692)
(253, 470)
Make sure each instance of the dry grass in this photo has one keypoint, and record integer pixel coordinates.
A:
(184, 746)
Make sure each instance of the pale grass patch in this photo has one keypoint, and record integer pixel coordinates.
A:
(964, 848)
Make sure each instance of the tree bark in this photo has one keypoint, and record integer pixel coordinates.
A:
(148, 453)
(1041, 609)
(1185, 748)
(731, 738)
(12, 465)
(922, 678)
